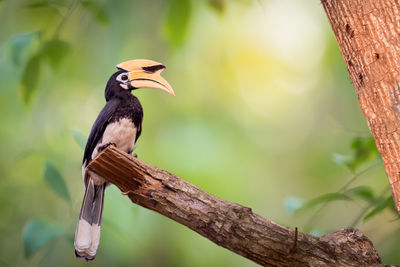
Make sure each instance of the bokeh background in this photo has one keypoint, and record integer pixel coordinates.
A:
(265, 115)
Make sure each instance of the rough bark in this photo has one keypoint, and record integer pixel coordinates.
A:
(228, 224)
(368, 34)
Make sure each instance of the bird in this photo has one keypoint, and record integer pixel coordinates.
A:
(119, 123)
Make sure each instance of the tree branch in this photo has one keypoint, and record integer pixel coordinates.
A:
(228, 224)
(368, 34)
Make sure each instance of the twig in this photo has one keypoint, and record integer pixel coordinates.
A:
(365, 210)
(375, 81)
(341, 190)
(65, 18)
(293, 248)
(226, 223)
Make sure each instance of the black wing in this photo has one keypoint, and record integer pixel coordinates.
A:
(139, 131)
(99, 127)
(138, 123)
(138, 116)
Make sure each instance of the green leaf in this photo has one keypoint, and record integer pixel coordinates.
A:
(177, 21)
(49, 4)
(381, 205)
(30, 79)
(363, 149)
(363, 192)
(38, 233)
(55, 180)
(38, 4)
(97, 11)
(293, 204)
(324, 199)
(342, 159)
(54, 51)
(79, 138)
(218, 5)
(21, 45)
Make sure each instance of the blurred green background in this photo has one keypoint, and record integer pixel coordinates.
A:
(265, 115)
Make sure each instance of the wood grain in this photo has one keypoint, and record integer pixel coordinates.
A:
(228, 224)
(368, 34)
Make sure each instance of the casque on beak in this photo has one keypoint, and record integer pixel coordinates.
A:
(145, 73)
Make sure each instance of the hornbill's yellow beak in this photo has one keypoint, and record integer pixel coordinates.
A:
(143, 73)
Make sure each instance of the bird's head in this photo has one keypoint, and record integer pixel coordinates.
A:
(134, 74)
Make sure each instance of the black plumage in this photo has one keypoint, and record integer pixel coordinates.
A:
(122, 110)
(119, 123)
(120, 104)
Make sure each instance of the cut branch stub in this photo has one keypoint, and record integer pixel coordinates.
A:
(226, 223)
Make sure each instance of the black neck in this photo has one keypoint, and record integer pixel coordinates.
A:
(119, 93)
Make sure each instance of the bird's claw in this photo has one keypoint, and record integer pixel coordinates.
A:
(134, 155)
(102, 147)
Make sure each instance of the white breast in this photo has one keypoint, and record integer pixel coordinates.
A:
(122, 133)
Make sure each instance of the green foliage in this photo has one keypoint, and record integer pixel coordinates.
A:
(342, 159)
(47, 3)
(25, 46)
(239, 88)
(39, 233)
(79, 138)
(376, 204)
(29, 45)
(55, 180)
(177, 21)
(22, 45)
(380, 205)
(364, 192)
(54, 51)
(218, 5)
(363, 149)
(30, 79)
(38, 4)
(325, 198)
(293, 204)
(98, 11)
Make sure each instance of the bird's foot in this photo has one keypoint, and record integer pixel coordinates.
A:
(135, 155)
(104, 146)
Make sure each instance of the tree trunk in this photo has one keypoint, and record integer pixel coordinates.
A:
(228, 224)
(368, 33)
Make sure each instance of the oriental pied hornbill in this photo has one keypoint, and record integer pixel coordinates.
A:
(119, 123)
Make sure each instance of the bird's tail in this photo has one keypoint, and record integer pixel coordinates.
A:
(87, 235)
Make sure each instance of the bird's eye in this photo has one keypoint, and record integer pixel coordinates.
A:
(123, 77)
